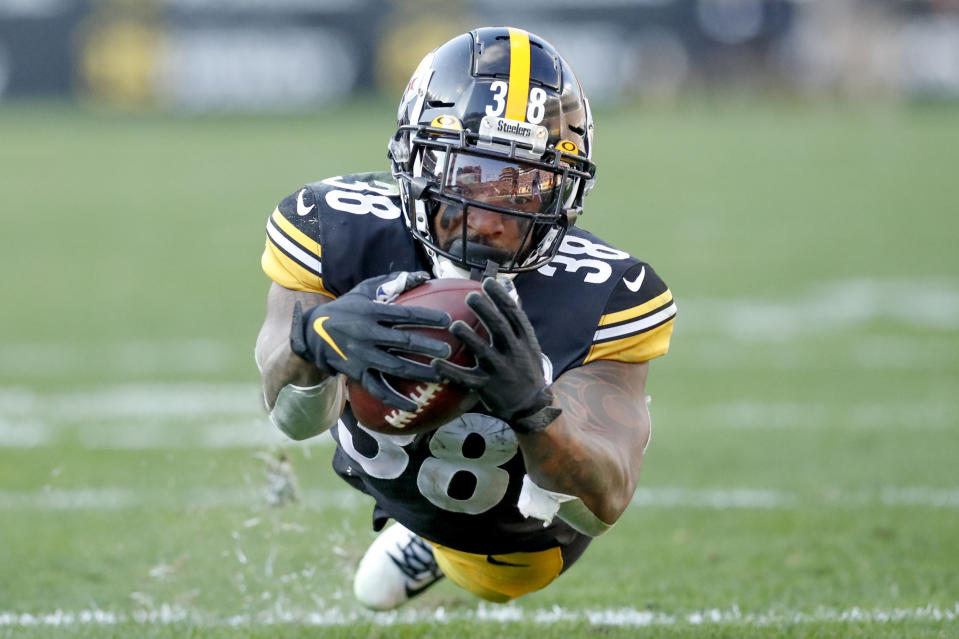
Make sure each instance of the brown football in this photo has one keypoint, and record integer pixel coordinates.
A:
(438, 403)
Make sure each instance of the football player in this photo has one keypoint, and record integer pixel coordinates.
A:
(490, 163)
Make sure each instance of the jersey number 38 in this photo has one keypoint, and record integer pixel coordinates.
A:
(447, 459)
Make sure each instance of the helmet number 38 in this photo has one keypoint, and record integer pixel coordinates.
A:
(536, 105)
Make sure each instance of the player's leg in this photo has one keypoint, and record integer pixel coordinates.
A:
(502, 577)
(398, 566)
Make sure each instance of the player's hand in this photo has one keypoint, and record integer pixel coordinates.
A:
(355, 335)
(509, 373)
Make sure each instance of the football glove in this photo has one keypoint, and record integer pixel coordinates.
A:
(508, 375)
(355, 335)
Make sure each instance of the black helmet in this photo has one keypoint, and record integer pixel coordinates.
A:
(493, 119)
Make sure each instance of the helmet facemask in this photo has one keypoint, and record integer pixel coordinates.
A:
(452, 175)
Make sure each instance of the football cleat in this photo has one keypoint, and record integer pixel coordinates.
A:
(398, 566)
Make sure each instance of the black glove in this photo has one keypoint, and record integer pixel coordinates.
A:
(354, 335)
(509, 373)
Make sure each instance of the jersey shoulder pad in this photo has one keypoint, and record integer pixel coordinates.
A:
(350, 228)
(293, 254)
(637, 321)
(371, 184)
(618, 307)
(336, 215)
(371, 196)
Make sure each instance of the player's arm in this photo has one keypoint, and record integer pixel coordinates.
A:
(582, 438)
(594, 449)
(309, 341)
(278, 365)
(303, 401)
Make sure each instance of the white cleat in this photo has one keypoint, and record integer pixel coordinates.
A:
(398, 566)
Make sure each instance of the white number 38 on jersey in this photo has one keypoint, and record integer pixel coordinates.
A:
(447, 458)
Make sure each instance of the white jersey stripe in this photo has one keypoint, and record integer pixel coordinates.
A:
(636, 326)
(294, 250)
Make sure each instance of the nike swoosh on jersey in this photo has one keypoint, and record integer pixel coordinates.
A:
(638, 282)
(490, 559)
(301, 207)
(318, 327)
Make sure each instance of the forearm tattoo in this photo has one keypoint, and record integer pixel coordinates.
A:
(601, 398)
(595, 448)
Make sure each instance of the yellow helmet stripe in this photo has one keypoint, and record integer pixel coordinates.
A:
(518, 75)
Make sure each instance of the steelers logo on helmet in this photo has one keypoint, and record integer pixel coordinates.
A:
(568, 146)
(450, 122)
(493, 158)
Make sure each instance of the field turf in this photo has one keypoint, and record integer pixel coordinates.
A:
(803, 474)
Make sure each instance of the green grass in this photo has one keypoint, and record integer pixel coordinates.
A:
(811, 381)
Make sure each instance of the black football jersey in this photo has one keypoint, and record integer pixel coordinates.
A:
(459, 485)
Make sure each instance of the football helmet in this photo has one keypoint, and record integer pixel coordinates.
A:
(494, 122)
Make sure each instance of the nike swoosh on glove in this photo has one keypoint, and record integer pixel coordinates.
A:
(356, 335)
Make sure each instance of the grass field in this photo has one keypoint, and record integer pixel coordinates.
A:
(802, 478)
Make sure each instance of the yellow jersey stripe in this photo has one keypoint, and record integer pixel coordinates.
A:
(636, 348)
(292, 250)
(636, 311)
(635, 326)
(296, 234)
(288, 273)
(518, 75)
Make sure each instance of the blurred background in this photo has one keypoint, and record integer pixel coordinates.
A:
(788, 167)
(294, 55)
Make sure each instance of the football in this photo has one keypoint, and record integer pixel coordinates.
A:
(437, 403)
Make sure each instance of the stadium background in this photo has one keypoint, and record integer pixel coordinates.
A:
(789, 167)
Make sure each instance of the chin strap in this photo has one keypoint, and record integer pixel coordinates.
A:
(443, 267)
(489, 271)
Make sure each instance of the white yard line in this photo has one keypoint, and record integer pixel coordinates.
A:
(620, 617)
(839, 305)
(141, 416)
(134, 401)
(755, 414)
(120, 498)
(831, 308)
(927, 352)
(117, 498)
(127, 358)
(172, 416)
(718, 499)
(156, 434)
(763, 499)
